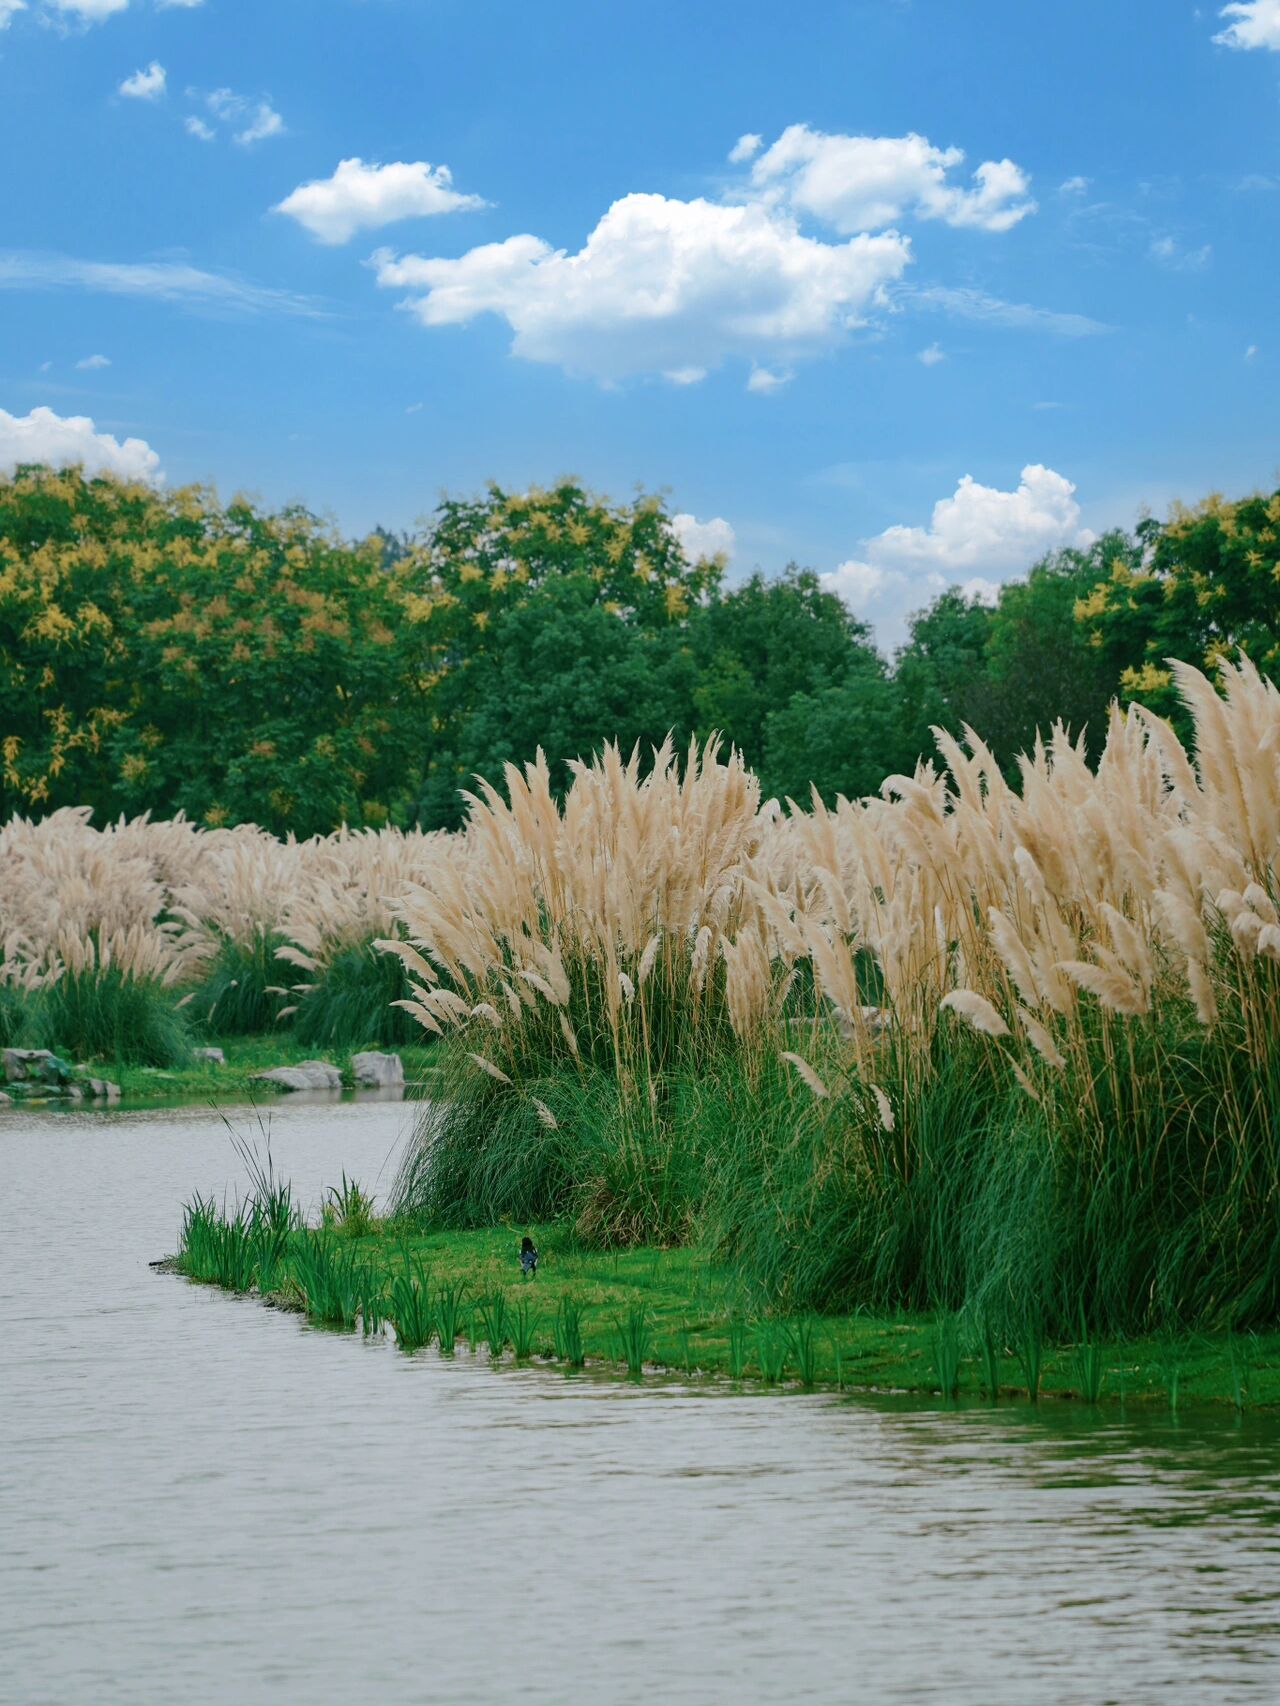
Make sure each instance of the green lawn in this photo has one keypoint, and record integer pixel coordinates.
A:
(202, 1082)
(694, 1311)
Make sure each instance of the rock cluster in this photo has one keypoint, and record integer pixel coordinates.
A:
(37, 1074)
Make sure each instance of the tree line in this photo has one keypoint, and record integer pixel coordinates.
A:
(163, 651)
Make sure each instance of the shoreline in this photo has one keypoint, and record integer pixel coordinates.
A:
(696, 1324)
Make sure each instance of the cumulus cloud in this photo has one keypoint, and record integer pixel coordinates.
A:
(714, 538)
(862, 183)
(658, 286)
(668, 286)
(1255, 23)
(198, 128)
(62, 441)
(1073, 186)
(92, 363)
(8, 10)
(360, 197)
(932, 355)
(976, 538)
(145, 85)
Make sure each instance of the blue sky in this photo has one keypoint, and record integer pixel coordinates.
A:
(977, 280)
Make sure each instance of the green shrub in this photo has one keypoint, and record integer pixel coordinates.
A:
(349, 1005)
(104, 1014)
(239, 995)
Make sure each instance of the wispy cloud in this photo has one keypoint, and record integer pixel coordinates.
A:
(963, 303)
(164, 281)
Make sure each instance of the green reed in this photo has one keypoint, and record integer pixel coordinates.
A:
(449, 1315)
(772, 1342)
(633, 1337)
(737, 1348)
(525, 1323)
(1030, 1351)
(1090, 1366)
(492, 1311)
(805, 1352)
(945, 1345)
(568, 1332)
(410, 1308)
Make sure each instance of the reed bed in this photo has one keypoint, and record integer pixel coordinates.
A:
(963, 1046)
(1009, 1054)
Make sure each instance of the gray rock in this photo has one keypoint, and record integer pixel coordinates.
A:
(377, 1069)
(214, 1056)
(102, 1090)
(5, 1101)
(307, 1075)
(23, 1063)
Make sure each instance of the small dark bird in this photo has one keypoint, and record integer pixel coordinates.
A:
(528, 1257)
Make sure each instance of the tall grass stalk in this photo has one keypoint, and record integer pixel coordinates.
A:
(633, 1333)
(568, 1332)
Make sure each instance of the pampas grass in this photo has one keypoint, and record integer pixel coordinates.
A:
(961, 1046)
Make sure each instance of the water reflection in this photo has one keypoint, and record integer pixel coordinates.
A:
(202, 1500)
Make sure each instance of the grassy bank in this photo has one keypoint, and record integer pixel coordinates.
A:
(675, 1310)
(202, 1081)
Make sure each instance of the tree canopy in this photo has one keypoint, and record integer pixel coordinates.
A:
(163, 651)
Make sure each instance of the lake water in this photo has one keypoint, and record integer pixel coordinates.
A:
(204, 1501)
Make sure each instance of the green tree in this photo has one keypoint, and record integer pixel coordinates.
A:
(759, 644)
(1206, 588)
(161, 652)
(549, 619)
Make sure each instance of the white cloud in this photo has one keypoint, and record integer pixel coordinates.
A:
(931, 356)
(745, 147)
(92, 363)
(168, 281)
(198, 128)
(1251, 352)
(699, 539)
(860, 183)
(61, 441)
(256, 120)
(264, 123)
(764, 380)
(145, 85)
(964, 303)
(1171, 254)
(86, 11)
(660, 285)
(360, 197)
(1073, 186)
(89, 11)
(685, 375)
(976, 538)
(1256, 23)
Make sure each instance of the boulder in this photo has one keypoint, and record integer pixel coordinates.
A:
(21, 1064)
(102, 1089)
(214, 1056)
(377, 1070)
(5, 1101)
(307, 1075)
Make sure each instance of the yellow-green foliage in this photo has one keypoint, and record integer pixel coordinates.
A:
(158, 647)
